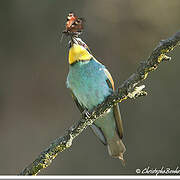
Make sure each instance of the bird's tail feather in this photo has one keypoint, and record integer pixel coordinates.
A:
(116, 148)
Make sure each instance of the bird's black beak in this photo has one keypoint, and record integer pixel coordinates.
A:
(72, 41)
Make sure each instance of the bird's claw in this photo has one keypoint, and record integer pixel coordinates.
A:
(86, 114)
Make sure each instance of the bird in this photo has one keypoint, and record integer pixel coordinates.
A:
(90, 83)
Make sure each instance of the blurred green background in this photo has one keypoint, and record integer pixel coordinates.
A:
(36, 107)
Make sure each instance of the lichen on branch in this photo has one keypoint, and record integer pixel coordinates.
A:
(128, 89)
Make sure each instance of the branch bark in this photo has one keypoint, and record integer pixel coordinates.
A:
(128, 89)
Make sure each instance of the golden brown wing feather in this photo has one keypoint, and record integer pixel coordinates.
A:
(119, 123)
(116, 109)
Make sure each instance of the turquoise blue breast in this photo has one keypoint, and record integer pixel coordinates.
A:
(87, 80)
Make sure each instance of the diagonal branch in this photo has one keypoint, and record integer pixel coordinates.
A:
(128, 89)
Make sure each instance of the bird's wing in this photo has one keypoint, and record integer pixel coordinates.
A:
(119, 123)
(98, 132)
(80, 107)
(117, 114)
(109, 80)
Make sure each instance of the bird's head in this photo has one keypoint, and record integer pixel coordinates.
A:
(78, 51)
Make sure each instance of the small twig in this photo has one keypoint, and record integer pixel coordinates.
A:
(128, 89)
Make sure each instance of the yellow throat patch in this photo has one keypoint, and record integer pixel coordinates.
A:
(78, 53)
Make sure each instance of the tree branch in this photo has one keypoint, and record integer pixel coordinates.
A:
(128, 89)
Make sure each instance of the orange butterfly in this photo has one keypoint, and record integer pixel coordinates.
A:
(74, 25)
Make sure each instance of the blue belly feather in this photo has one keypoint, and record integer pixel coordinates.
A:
(87, 80)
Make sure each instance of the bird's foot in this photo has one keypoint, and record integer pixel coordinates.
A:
(86, 114)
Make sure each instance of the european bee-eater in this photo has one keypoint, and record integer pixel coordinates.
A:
(90, 84)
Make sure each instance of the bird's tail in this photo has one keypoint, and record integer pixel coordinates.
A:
(116, 148)
(110, 131)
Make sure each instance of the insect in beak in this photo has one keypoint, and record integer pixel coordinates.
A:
(74, 25)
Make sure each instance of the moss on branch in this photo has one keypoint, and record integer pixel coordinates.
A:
(128, 89)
